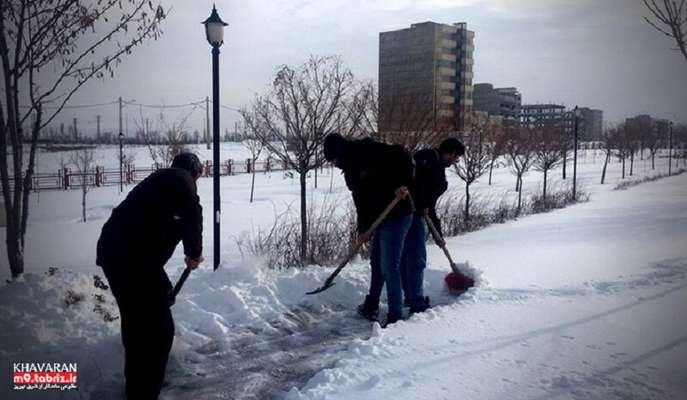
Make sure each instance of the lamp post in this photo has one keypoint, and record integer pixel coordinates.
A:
(574, 191)
(121, 162)
(121, 143)
(214, 33)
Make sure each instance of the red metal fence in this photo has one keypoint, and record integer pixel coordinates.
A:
(100, 176)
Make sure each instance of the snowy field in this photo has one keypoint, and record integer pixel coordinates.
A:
(584, 302)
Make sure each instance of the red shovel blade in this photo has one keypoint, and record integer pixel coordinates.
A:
(458, 282)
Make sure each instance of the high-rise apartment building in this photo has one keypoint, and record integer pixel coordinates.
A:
(425, 77)
(590, 124)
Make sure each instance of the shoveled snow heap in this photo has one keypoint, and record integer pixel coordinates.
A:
(62, 316)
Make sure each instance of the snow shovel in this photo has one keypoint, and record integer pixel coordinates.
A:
(177, 287)
(173, 294)
(330, 280)
(456, 281)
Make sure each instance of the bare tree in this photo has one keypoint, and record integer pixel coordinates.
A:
(410, 126)
(610, 137)
(48, 50)
(254, 146)
(669, 18)
(633, 139)
(680, 135)
(299, 111)
(497, 141)
(163, 149)
(475, 162)
(519, 151)
(547, 145)
(83, 161)
(622, 142)
(652, 139)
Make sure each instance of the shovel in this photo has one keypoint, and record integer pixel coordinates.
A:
(456, 281)
(330, 280)
(173, 294)
(177, 287)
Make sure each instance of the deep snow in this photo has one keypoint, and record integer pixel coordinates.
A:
(584, 302)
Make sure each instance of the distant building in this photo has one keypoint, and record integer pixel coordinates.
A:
(425, 77)
(504, 102)
(543, 115)
(590, 124)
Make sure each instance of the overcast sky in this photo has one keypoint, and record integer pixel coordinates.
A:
(598, 54)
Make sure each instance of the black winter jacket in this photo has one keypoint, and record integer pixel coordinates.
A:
(373, 171)
(146, 227)
(429, 183)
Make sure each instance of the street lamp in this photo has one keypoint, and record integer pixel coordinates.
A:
(214, 33)
(574, 191)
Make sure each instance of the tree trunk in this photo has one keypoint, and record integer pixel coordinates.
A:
(632, 162)
(519, 194)
(467, 204)
(603, 172)
(653, 160)
(565, 161)
(304, 217)
(491, 168)
(83, 199)
(623, 167)
(544, 194)
(252, 183)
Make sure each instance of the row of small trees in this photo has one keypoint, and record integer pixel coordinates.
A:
(522, 148)
(631, 139)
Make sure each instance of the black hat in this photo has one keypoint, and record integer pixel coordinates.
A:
(189, 162)
(333, 146)
(452, 145)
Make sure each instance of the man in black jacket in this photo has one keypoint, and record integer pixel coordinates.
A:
(376, 173)
(134, 245)
(429, 184)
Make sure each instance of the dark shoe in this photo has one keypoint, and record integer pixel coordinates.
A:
(421, 307)
(390, 319)
(368, 312)
(406, 302)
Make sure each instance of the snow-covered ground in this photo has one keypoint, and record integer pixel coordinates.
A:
(584, 302)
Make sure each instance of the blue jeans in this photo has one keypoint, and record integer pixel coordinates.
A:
(385, 263)
(414, 261)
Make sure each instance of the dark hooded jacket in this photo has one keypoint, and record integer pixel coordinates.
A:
(429, 183)
(146, 227)
(373, 171)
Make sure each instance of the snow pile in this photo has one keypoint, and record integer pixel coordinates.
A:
(61, 316)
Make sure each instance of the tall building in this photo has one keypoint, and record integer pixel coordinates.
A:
(504, 102)
(425, 77)
(590, 124)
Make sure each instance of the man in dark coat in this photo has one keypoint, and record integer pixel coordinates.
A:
(428, 185)
(135, 243)
(376, 173)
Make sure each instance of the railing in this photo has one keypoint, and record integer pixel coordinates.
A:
(67, 178)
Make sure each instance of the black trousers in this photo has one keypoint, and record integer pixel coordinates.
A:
(147, 326)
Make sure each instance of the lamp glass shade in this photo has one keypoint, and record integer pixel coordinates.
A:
(215, 33)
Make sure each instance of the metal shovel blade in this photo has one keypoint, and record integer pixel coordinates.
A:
(322, 289)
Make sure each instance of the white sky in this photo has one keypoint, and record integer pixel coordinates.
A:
(600, 54)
